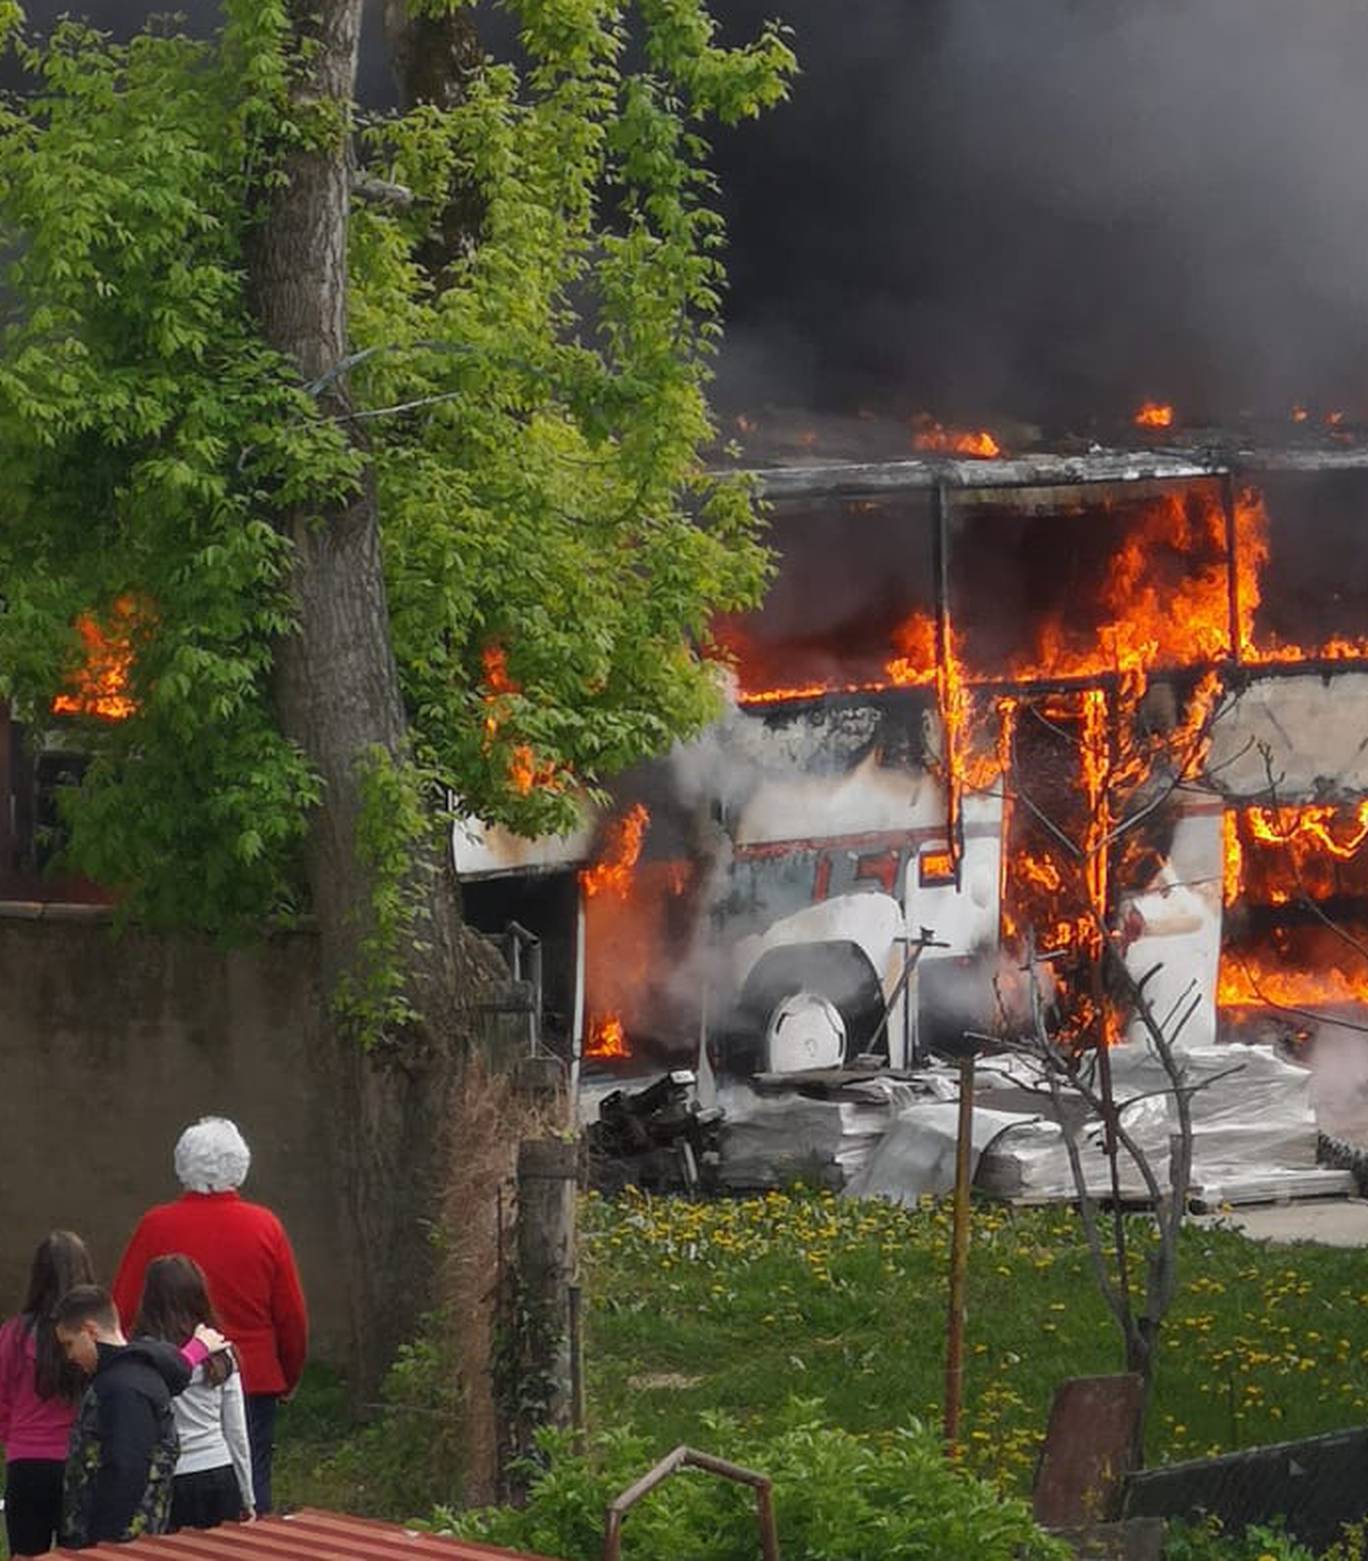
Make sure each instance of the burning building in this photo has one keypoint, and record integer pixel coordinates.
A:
(994, 703)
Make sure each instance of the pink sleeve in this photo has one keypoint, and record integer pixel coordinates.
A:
(11, 1367)
(193, 1352)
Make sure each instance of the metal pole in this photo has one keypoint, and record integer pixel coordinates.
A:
(959, 1258)
(690, 1458)
(577, 1414)
(1230, 509)
(945, 650)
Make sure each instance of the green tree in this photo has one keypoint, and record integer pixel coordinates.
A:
(378, 501)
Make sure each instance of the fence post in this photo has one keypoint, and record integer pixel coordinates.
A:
(540, 1359)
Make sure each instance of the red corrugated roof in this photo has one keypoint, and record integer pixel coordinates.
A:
(305, 1536)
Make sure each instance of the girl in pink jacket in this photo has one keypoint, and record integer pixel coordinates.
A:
(39, 1393)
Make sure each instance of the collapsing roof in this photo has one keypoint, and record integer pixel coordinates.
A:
(841, 479)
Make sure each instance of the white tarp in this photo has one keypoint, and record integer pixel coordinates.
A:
(770, 1140)
(916, 1157)
(1253, 1123)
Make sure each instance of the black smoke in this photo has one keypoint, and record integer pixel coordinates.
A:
(1041, 209)
(1054, 209)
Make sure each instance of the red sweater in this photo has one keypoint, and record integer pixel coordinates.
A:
(253, 1282)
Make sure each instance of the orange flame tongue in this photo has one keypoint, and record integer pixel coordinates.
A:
(1154, 414)
(100, 686)
(612, 873)
(607, 1039)
(525, 774)
(915, 641)
(1259, 979)
(977, 443)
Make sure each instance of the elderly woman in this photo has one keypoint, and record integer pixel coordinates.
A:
(250, 1269)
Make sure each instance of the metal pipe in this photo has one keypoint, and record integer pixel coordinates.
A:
(913, 950)
(577, 1026)
(959, 1257)
(688, 1458)
(576, 1318)
(1232, 531)
(945, 649)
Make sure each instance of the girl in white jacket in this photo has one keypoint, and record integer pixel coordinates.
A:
(213, 1481)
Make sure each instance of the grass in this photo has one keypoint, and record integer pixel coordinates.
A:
(310, 1429)
(742, 1305)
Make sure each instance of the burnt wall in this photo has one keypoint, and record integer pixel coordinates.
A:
(111, 1043)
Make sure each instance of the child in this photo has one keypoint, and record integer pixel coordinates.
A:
(39, 1392)
(123, 1446)
(213, 1480)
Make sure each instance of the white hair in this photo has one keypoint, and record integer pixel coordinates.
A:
(212, 1156)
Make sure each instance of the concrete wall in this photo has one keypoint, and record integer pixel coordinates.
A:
(110, 1044)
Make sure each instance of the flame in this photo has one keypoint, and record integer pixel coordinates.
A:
(1164, 602)
(607, 1040)
(1154, 414)
(1258, 979)
(802, 691)
(978, 443)
(612, 873)
(494, 659)
(638, 918)
(915, 641)
(1286, 857)
(936, 866)
(1275, 856)
(1299, 414)
(1317, 828)
(1233, 853)
(1161, 598)
(1253, 549)
(524, 774)
(1041, 872)
(100, 686)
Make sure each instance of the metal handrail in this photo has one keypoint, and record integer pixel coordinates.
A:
(688, 1458)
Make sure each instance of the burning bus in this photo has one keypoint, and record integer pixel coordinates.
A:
(992, 701)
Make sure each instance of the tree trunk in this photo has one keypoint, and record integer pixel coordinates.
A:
(339, 697)
(433, 52)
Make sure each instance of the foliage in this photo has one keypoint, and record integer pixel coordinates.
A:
(700, 1310)
(394, 830)
(838, 1497)
(408, 1458)
(696, 1307)
(1207, 1542)
(527, 1337)
(533, 412)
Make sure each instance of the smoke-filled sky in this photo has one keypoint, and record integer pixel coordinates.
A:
(1041, 208)
(1046, 206)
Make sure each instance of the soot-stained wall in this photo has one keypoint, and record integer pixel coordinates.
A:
(110, 1044)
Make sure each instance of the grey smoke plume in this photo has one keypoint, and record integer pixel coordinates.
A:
(1339, 1081)
(1055, 207)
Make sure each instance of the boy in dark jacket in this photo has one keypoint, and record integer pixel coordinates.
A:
(123, 1446)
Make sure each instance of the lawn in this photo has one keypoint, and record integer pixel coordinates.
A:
(745, 1305)
(742, 1305)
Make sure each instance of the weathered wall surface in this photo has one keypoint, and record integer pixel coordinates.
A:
(110, 1044)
